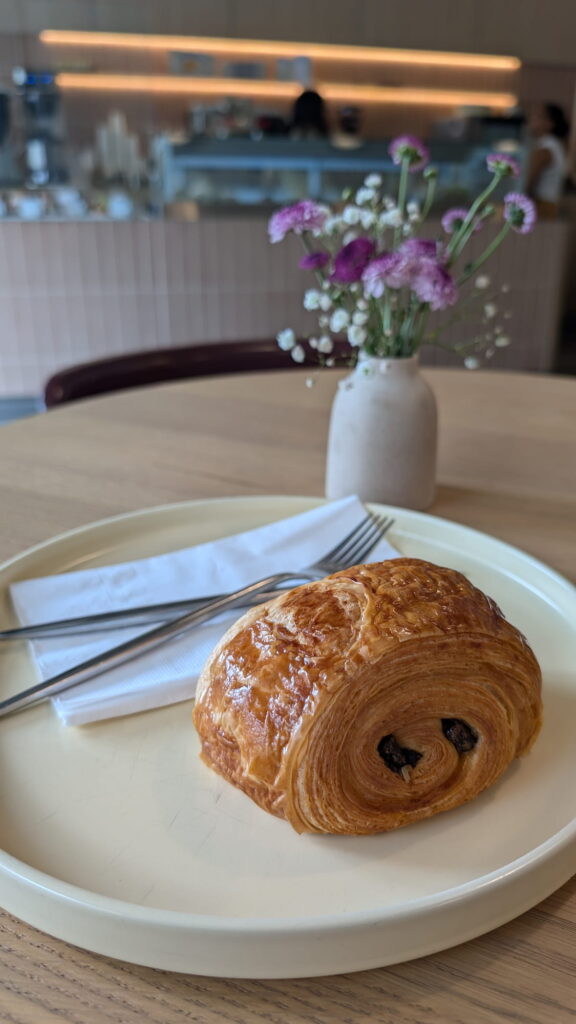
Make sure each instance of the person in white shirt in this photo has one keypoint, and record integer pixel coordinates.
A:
(547, 168)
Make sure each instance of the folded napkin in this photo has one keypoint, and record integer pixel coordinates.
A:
(169, 673)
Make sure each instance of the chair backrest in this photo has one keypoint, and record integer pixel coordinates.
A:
(153, 367)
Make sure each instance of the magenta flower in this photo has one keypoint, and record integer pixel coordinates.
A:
(407, 147)
(314, 261)
(520, 212)
(453, 220)
(433, 284)
(303, 216)
(351, 261)
(500, 163)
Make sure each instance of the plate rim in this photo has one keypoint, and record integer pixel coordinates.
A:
(113, 907)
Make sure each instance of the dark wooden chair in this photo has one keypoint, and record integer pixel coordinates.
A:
(141, 368)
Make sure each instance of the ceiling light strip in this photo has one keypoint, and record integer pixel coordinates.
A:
(332, 91)
(275, 48)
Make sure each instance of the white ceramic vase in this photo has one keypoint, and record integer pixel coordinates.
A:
(382, 439)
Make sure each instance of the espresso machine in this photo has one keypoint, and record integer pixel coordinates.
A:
(43, 154)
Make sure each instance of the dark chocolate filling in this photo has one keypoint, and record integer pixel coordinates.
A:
(396, 757)
(460, 734)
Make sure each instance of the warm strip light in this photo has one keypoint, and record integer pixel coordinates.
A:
(272, 48)
(343, 93)
(178, 84)
(335, 91)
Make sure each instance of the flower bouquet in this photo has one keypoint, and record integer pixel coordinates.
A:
(377, 283)
(377, 286)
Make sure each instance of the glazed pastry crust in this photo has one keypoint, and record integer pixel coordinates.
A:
(293, 703)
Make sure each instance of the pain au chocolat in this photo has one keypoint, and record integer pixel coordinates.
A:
(373, 698)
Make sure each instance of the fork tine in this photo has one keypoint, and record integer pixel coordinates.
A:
(338, 550)
(365, 529)
(365, 544)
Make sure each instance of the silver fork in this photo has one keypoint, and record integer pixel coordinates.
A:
(124, 618)
(353, 549)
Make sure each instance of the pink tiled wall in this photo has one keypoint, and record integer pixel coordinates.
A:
(79, 291)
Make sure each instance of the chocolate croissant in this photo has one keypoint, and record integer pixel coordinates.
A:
(370, 699)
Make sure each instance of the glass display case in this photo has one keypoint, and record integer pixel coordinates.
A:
(249, 173)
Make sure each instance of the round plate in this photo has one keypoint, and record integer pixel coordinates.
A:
(118, 839)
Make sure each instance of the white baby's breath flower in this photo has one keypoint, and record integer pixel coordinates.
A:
(362, 304)
(325, 344)
(339, 320)
(471, 363)
(364, 195)
(313, 342)
(330, 362)
(502, 341)
(349, 236)
(325, 301)
(373, 181)
(351, 215)
(286, 339)
(482, 281)
(359, 318)
(356, 336)
(312, 299)
(392, 218)
(368, 219)
(310, 382)
(332, 224)
(298, 354)
(490, 310)
(413, 209)
(324, 321)
(389, 203)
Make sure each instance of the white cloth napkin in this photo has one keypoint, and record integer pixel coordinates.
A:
(169, 673)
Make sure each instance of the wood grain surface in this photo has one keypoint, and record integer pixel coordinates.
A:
(507, 466)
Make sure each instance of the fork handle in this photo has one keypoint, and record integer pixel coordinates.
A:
(131, 649)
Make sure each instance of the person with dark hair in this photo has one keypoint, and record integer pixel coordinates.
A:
(547, 168)
(309, 116)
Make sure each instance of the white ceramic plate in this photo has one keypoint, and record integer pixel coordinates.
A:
(116, 838)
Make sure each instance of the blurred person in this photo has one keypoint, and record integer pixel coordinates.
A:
(348, 134)
(309, 117)
(547, 168)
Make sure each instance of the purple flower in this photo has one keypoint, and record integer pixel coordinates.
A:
(303, 216)
(407, 147)
(433, 284)
(520, 212)
(453, 220)
(390, 270)
(314, 260)
(419, 249)
(500, 163)
(351, 261)
(415, 265)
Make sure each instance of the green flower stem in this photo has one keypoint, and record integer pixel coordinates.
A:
(429, 197)
(460, 237)
(486, 254)
(402, 190)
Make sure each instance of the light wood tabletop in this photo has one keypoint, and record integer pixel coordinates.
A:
(507, 466)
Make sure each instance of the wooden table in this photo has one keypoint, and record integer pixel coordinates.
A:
(507, 466)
